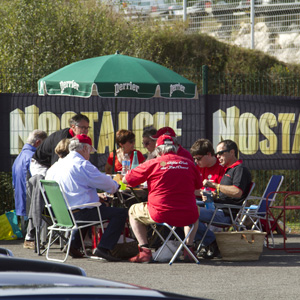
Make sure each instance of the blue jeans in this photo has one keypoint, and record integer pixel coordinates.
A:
(117, 218)
(205, 217)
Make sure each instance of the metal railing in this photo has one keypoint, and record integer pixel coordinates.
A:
(273, 29)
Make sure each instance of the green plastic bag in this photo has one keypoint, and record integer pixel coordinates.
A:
(9, 229)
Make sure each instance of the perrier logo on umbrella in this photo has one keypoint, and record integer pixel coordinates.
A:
(126, 86)
(117, 76)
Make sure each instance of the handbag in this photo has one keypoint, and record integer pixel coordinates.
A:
(9, 229)
(240, 245)
(125, 248)
(168, 251)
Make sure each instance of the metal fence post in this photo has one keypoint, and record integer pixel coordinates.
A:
(184, 5)
(204, 80)
(252, 13)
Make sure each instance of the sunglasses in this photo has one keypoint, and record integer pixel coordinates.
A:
(146, 144)
(198, 158)
(222, 152)
(83, 127)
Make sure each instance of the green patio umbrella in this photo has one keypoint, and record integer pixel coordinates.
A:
(117, 76)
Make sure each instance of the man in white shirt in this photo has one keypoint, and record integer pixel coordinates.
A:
(80, 180)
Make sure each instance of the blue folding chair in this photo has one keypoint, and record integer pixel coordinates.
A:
(255, 213)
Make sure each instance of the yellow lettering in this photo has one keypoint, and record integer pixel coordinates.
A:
(65, 118)
(296, 143)
(21, 125)
(106, 135)
(225, 126)
(139, 122)
(159, 120)
(123, 120)
(172, 118)
(248, 134)
(286, 120)
(48, 122)
(269, 145)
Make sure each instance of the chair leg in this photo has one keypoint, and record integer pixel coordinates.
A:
(50, 243)
(182, 243)
(37, 241)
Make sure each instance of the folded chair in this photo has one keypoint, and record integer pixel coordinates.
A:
(257, 213)
(235, 221)
(165, 241)
(62, 215)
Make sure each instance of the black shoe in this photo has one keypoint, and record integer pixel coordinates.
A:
(105, 253)
(75, 253)
(211, 251)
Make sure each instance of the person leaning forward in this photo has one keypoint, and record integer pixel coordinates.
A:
(80, 180)
(172, 180)
(232, 189)
(45, 153)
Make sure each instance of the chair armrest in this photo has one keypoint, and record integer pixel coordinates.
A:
(220, 205)
(86, 205)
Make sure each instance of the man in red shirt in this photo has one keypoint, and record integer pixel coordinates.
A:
(209, 166)
(169, 131)
(172, 180)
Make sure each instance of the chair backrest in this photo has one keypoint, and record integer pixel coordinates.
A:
(51, 190)
(252, 186)
(272, 186)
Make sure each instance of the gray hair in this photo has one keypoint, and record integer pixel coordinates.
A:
(75, 145)
(163, 149)
(36, 135)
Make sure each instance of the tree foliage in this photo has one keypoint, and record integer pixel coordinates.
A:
(38, 37)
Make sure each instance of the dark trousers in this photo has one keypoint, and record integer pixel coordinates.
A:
(117, 218)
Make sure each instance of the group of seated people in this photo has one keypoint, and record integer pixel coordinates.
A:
(173, 176)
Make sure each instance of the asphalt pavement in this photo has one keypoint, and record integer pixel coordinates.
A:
(275, 275)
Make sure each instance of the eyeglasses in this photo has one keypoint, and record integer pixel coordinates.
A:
(146, 144)
(222, 152)
(84, 127)
(198, 158)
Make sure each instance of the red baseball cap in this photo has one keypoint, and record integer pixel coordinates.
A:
(165, 130)
(84, 139)
(164, 140)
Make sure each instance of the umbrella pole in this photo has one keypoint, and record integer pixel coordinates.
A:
(115, 126)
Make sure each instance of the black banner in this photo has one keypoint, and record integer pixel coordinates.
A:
(266, 128)
(26, 112)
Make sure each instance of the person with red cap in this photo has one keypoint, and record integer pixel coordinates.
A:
(169, 131)
(80, 180)
(172, 181)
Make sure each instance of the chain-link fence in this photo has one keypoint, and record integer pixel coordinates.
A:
(275, 30)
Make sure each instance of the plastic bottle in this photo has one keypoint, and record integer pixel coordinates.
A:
(209, 203)
(125, 164)
(135, 161)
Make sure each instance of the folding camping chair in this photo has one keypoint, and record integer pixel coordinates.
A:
(235, 221)
(257, 213)
(165, 242)
(62, 215)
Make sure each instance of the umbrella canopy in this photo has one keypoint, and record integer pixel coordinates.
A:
(117, 76)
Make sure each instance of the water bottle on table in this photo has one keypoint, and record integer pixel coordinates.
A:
(125, 164)
(209, 203)
(135, 161)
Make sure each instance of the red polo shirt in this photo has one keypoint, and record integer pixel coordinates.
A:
(213, 173)
(172, 181)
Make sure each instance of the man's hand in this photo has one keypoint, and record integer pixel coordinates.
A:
(103, 198)
(207, 183)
